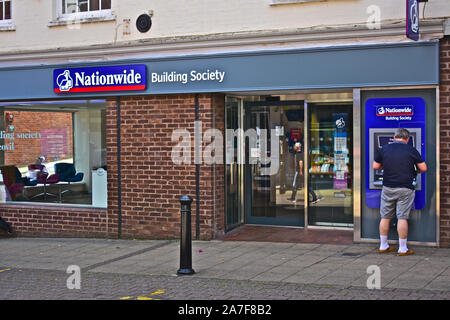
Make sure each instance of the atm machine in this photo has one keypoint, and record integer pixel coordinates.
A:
(383, 117)
(382, 113)
(378, 137)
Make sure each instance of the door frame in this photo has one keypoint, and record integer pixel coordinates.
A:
(350, 106)
(239, 167)
(248, 219)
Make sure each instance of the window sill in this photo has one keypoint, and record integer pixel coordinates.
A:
(58, 206)
(65, 21)
(7, 26)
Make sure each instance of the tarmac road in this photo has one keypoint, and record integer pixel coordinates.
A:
(38, 284)
(36, 269)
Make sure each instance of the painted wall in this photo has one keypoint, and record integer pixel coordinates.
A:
(180, 18)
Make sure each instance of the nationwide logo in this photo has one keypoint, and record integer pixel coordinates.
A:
(384, 111)
(340, 123)
(64, 81)
(414, 16)
(412, 19)
(96, 79)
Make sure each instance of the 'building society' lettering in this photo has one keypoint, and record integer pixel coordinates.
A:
(174, 76)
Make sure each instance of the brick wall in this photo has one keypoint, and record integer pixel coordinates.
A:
(51, 221)
(444, 122)
(151, 183)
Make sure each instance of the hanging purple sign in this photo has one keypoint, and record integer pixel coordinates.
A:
(412, 19)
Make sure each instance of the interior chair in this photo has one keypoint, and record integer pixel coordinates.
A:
(14, 182)
(67, 173)
(42, 177)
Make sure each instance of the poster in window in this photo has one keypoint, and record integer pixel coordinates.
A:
(54, 144)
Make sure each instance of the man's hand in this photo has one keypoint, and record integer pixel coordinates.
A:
(422, 167)
(377, 166)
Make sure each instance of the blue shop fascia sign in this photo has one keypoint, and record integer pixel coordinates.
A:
(101, 78)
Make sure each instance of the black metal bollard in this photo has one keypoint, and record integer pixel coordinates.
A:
(186, 237)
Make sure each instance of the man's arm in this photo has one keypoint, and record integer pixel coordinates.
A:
(420, 163)
(378, 161)
(377, 166)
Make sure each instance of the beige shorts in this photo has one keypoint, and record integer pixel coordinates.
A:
(396, 200)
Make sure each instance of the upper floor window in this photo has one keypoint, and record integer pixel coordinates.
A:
(5, 10)
(81, 11)
(75, 6)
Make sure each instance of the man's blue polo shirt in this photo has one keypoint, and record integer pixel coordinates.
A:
(398, 160)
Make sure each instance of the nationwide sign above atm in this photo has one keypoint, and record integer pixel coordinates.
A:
(393, 112)
(102, 78)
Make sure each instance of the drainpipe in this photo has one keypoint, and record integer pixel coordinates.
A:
(119, 174)
(197, 176)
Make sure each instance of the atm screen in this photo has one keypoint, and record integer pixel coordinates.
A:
(383, 139)
(380, 137)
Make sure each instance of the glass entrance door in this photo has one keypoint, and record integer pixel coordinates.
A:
(330, 163)
(274, 176)
(234, 178)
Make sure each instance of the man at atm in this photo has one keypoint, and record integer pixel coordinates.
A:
(400, 163)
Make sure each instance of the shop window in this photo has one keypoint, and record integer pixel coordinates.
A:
(5, 16)
(53, 153)
(75, 12)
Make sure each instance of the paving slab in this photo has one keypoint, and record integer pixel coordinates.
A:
(409, 282)
(441, 282)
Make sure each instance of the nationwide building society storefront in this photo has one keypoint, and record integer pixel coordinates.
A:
(107, 149)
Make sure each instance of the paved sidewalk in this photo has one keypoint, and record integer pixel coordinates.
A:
(291, 268)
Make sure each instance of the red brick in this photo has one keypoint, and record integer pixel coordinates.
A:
(444, 111)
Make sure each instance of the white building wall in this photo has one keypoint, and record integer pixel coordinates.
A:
(32, 20)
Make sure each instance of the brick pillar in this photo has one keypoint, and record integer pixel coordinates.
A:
(151, 183)
(444, 122)
(111, 161)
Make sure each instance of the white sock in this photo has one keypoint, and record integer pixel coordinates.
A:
(402, 246)
(383, 243)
